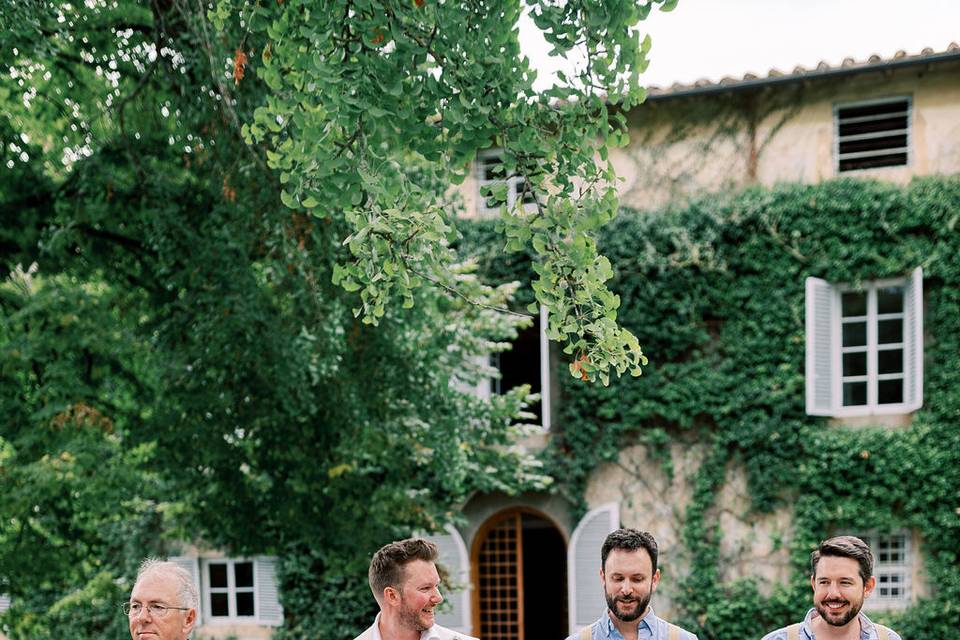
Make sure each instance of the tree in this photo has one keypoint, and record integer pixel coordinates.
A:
(370, 101)
(214, 329)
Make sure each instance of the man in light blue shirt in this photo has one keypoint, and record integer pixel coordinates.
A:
(842, 578)
(629, 575)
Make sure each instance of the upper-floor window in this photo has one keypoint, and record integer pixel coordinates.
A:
(491, 172)
(230, 589)
(865, 347)
(235, 590)
(872, 134)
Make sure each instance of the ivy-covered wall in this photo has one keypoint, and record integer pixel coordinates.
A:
(715, 292)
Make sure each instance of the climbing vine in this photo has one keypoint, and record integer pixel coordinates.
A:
(717, 288)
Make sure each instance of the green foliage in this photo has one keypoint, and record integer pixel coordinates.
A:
(716, 290)
(376, 108)
(179, 364)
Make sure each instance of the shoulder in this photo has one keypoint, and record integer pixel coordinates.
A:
(366, 635)
(684, 634)
(779, 634)
(891, 634)
(442, 633)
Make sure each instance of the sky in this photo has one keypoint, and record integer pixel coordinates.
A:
(716, 38)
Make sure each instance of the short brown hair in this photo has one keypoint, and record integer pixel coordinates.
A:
(845, 547)
(629, 540)
(386, 567)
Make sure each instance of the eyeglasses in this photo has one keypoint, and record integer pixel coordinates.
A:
(134, 609)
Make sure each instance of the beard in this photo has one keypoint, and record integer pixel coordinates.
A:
(413, 618)
(641, 601)
(835, 618)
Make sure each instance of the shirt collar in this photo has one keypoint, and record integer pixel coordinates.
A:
(867, 629)
(649, 619)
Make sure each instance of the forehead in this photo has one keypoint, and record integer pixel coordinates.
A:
(628, 562)
(155, 586)
(420, 572)
(837, 567)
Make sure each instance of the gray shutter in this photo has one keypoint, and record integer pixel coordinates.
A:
(584, 589)
(821, 347)
(269, 611)
(453, 556)
(4, 602)
(192, 565)
(913, 340)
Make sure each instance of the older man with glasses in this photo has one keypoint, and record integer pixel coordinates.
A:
(163, 604)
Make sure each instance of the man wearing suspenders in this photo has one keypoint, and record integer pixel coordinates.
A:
(629, 575)
(842, 578)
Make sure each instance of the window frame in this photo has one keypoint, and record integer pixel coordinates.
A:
(911, 345)
(512, 183)
(231, 590)
(837, 106)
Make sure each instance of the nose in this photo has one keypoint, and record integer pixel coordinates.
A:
(437, 596)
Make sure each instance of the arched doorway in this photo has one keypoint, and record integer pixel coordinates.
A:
(519, 568)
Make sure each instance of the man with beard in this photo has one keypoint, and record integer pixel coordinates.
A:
(629, 575)
(405, 582)
(842, 578)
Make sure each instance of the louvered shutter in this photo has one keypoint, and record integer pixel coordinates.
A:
(269, 611)
(192, 565)
(913, 340)
(456, 560)
(584, 589)
(4, 602)
(821, 347)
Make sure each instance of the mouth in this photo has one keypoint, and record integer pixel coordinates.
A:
(835, 605)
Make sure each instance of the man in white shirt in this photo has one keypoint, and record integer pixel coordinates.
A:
(405, 582)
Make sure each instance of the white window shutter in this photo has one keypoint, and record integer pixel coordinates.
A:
(821, 347)
(269, 611)
(4, 602)
(192, 565)
(913, 339)
(584, 589)
(456, 560)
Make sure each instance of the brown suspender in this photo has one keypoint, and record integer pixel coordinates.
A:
(585, 632)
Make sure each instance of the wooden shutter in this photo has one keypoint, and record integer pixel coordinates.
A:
(913, 340)
(269, 611)
(821, 347)
(584, 589)
(192, 565)
(454, 558)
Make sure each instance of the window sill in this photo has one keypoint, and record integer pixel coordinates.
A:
(892, 420)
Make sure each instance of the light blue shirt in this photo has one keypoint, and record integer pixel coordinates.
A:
(868, 630)
(650, 627)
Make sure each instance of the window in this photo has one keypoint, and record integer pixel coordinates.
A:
(892, 562)
(872, 134)
(4, 602)
(865, 347)
(527, 362)
(490, 172)
(230, 589)
(237, 590)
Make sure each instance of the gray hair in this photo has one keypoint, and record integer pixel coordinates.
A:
(186, 589)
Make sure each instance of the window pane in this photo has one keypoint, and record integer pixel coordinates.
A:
(245, 603)
(890, 331)
(890, 361)
(218, 575)
(491, 168)
(855, 334)
(243, 574)
(854, 394)
(218, 604)
(890, 300)
(853, 304)
(890, 391)
(855, 364)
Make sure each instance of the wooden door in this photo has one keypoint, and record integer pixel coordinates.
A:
(499, 579)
